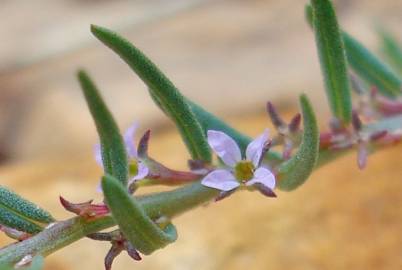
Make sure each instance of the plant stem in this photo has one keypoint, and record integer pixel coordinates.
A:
(168, 204)
(391, 124)
(63, 233)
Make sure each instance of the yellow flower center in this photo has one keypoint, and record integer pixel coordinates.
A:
(244, 171)
(133, 167)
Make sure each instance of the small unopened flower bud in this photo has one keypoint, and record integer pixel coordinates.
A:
(294, 125)
(85, 209)
(265, 190)
(276, 120)
(356, 122)
(224, 194)
(113, 252)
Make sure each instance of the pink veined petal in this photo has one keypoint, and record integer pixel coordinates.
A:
(143, 171)
(263, 176)
(129, 140)
(220, 179)
(225, 147)
(256, 147)
(98, 154)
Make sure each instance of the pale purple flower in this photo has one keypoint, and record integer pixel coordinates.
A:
(131, 149)
(248, 171)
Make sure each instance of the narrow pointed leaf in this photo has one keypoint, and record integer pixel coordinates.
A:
(332, 57)
(370, 68)
(366, 64)
(21, 214)
(114, 154)
(392, 49)
(13, 220)
(162, 89)
(142, 232)
(295, 171)
(11, 200)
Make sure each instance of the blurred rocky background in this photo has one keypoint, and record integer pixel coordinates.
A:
(231, 56)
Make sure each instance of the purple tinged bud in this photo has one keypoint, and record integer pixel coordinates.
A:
(224, 194)
(114, 251)
(294, 125)
(143, 144)
(388, 107)
(356, 122)
(378, 135)
(362, 154)
(85, 209)
(132, 252)
(265, 190)
(275, 118)
(100, 236)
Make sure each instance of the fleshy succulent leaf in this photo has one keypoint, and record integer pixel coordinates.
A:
(162, 89)
(296, 170)
(392, 49)
(15, 221)
(18, 204)
(113, 151)
(21, 214)
(366, 64)
(141, 231)
(333, 60)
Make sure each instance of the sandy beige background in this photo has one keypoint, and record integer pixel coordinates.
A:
(243, 51)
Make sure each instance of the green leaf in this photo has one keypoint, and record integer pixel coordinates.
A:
(370, 68)
(332, 57)
(295, 171)
(366, 64)
(21, 214)
(10, 199)
(114, 154)
(137, 227)
(392, 49)
(308, 14)
(13, 220)
(163, 91)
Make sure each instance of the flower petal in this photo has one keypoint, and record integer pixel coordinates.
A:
(99, 187)
(220, 179)
(256, 148)
(143, 172)
(225, 147)
(98, 154)
(263, 176)
(129, 140)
